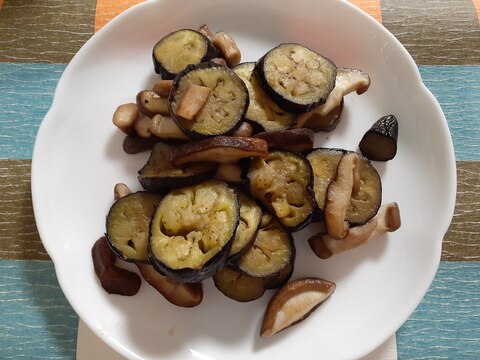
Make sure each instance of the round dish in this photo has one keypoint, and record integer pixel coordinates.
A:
(78, 158)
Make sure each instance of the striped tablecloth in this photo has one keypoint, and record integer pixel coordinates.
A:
(38, 39)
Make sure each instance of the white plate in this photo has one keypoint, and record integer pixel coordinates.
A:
(78, 158)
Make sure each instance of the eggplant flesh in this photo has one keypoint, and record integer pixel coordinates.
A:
(159, 175)
(262, 110)
(295, 77)
(224, 108)
(365, 203)
(272, 254)
(380, 142)
(128, 225)
(192, 230)
(180, 48)
(282, 183)
(238, 286)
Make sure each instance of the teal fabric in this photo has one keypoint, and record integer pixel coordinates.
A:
(37, 321)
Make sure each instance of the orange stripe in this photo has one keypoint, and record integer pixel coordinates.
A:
(1, 4)
(476, 4)
(371, 7)
(106, 10)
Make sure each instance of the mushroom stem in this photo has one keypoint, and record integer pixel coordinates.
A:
(386, 220)
(192, 102)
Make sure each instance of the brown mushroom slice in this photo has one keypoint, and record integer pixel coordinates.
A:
(184, 294)
(339, 193)
(230, 173)
(317, 122)
(134, 144)
(347, 81)
(220, 149)
(293, 303)
(386, 220)
(298, 140)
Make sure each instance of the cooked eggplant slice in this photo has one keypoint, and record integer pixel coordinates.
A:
(380, 142)
(272, 255)
(181, 48)
(295, 77)
(364, 203)
(297, 140)
(220, 149)
(225, 106)
(262, 110)
(282, 183)
(159, 175)
(250, 216)
(238, 286)
(192, 231)
(128, 223)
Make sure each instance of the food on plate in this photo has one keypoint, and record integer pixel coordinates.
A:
(220, 149)
(295, 77)
(128, 223)
(114, 280)
(364, 203)
(224, 108)
(380, 142)
(249, 222)
(180, 48)
(238, 286)
(386, 220)
(297, 140)
(293, 303)
(271, 256)
(262, 110)
(192, 230)
(184, 294)
(282, 182)
(159, 175)
(228, 181)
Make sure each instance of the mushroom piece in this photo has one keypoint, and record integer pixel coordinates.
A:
(339, 193)
(181, 294)
(205, 30)
(298, 140)
(120, 190)
(162, 87)
(227, 47)
(220, 149)
(134, 144)
(294, 302)
(386, 220)
(244, 130)
(142, 126)
(347, 81)
(150, 103)
(125, 116)
(193, 100)
(164, 127)
(230, 173)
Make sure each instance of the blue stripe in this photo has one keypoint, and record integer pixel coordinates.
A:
(446, 325)
(457, 89)
(26, 92)
(37, 322)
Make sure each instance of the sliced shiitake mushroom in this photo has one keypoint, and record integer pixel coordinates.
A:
(181, 48)
(317, 122)
(386, 220)
(220, 149)
(128, 223)
(272, 255)
(192, 231)
(250, 216)
(159, 175)
(282, 183)
(238, 286)
(134, 144)
(297, 140)
(295, 77)
(184, 294)
(262, 110)
(364, 203)
(224, 108)
(380, 142)
(293, 303)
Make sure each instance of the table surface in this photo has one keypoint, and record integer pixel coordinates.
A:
(38, 39)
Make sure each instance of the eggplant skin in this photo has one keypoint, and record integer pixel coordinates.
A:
(192, 231)
(177, 56)
(380, 142)
(293, 100)
(228, 93)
